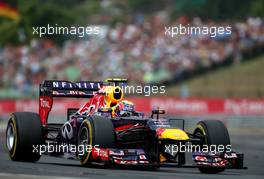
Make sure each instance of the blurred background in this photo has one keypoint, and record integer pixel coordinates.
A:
(134, 46)
(203, 75)
(205, 78)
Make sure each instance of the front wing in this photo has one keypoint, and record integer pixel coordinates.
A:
(120, 156)
(231, 160)
(134, 157)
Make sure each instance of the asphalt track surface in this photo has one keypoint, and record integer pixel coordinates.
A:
(250, 142)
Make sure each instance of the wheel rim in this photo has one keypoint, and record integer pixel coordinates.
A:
(198, 133)
(10, 137)
(84, 136)
(84, 140)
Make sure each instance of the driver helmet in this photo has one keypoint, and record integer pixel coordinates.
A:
(124, 109)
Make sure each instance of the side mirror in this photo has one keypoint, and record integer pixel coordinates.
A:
(157, 112)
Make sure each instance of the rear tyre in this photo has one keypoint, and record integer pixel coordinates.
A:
(24, 130)
(96, 131)
(212, 132)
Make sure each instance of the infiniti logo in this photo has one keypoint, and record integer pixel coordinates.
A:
(67, 131)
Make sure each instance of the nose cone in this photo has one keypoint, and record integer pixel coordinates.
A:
(173, 134)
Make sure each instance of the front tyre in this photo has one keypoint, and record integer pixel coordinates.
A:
(24, 130)
(85, 138)
(95, 131)
(212, 132)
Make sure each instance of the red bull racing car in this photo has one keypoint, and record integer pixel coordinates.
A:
(108, 131)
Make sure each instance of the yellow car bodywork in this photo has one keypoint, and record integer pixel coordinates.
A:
(173, 134)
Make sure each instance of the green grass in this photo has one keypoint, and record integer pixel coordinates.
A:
(239, 80)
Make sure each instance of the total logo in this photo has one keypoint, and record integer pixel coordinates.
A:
(44, 103)
(67, 131)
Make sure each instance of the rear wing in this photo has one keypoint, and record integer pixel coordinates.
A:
(81, 89)
(55, 88)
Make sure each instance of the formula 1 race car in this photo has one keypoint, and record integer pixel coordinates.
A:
(108, 131)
